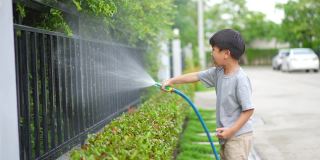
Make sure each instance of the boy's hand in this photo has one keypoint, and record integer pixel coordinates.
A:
(166, 83)
(224, 133)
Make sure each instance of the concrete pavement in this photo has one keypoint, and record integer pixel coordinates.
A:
(287, 114)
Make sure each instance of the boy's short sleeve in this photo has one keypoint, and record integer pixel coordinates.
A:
(244, 93)
(208, 77)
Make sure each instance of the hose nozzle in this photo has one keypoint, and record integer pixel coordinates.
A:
(167, 88)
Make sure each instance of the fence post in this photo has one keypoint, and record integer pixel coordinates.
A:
(176, 54)
(9, 137)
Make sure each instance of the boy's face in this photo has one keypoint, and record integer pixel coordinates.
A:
(219, 57)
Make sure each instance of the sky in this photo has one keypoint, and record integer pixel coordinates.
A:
(265, 6)
(268, 8)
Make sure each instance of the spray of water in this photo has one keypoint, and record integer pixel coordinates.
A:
(127, 71)
(123, 64)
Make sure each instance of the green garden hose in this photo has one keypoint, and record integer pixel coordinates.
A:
(170, 89)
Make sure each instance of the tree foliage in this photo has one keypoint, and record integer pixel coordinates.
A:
(186, 21)
(301, 24)
(234, 14)
(125, 21)
(140, 23)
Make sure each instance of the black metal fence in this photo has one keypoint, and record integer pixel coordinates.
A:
(63, 91)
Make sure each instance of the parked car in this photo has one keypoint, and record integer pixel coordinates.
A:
(300, 59)
(277, 60)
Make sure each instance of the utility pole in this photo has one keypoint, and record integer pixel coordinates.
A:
(202, 56)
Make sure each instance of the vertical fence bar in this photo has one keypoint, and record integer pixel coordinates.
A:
(70, 90)
(100, 80)
(115, 99)
(79, 84)
(97, 77)
(86, 91)
(69, 86)
(73, 85)
(95, 83)
(112, 67)
(43, 75)
(64, 90)
(35, 94)
(105, 79)
(105, 95)
(27, 118)
(19, 73)
(117, 81)
(91, 83)
(85, 84)
(96, 65)
(51, 89)
(58, 90)
(110, 80)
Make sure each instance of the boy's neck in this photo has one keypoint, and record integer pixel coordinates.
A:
(231, 67)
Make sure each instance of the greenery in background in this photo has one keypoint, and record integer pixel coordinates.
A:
(260, 56)
(188, 148)
(301, 23)
(300, 26)
(251, 24)
(185, 20)
(54, 21)
(152, 132)
(140, 23)
(137, 23)
(131, 22)
(234, 14)
(199, 87)
(21, 10)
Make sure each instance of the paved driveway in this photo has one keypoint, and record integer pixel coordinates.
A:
(287, 114)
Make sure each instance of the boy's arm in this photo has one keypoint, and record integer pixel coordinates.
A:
(226, 133)
(186, 78)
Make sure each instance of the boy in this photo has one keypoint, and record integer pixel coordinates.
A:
(233, 90)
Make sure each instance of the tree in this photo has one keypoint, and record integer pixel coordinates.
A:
(301, 25)
(186, 21)
(234, 14)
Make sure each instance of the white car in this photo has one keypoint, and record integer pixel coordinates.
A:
(300, 59)
(277, 60)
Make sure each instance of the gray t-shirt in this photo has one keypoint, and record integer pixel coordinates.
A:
(233, 96)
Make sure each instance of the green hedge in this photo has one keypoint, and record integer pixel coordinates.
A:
(260, 56)
(151, 132)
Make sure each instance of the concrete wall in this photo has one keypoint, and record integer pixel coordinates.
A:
(264, 44)
(9, 137)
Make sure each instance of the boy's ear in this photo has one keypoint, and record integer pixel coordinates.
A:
(227, 53)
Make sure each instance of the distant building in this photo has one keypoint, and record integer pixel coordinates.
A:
(267, 44)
